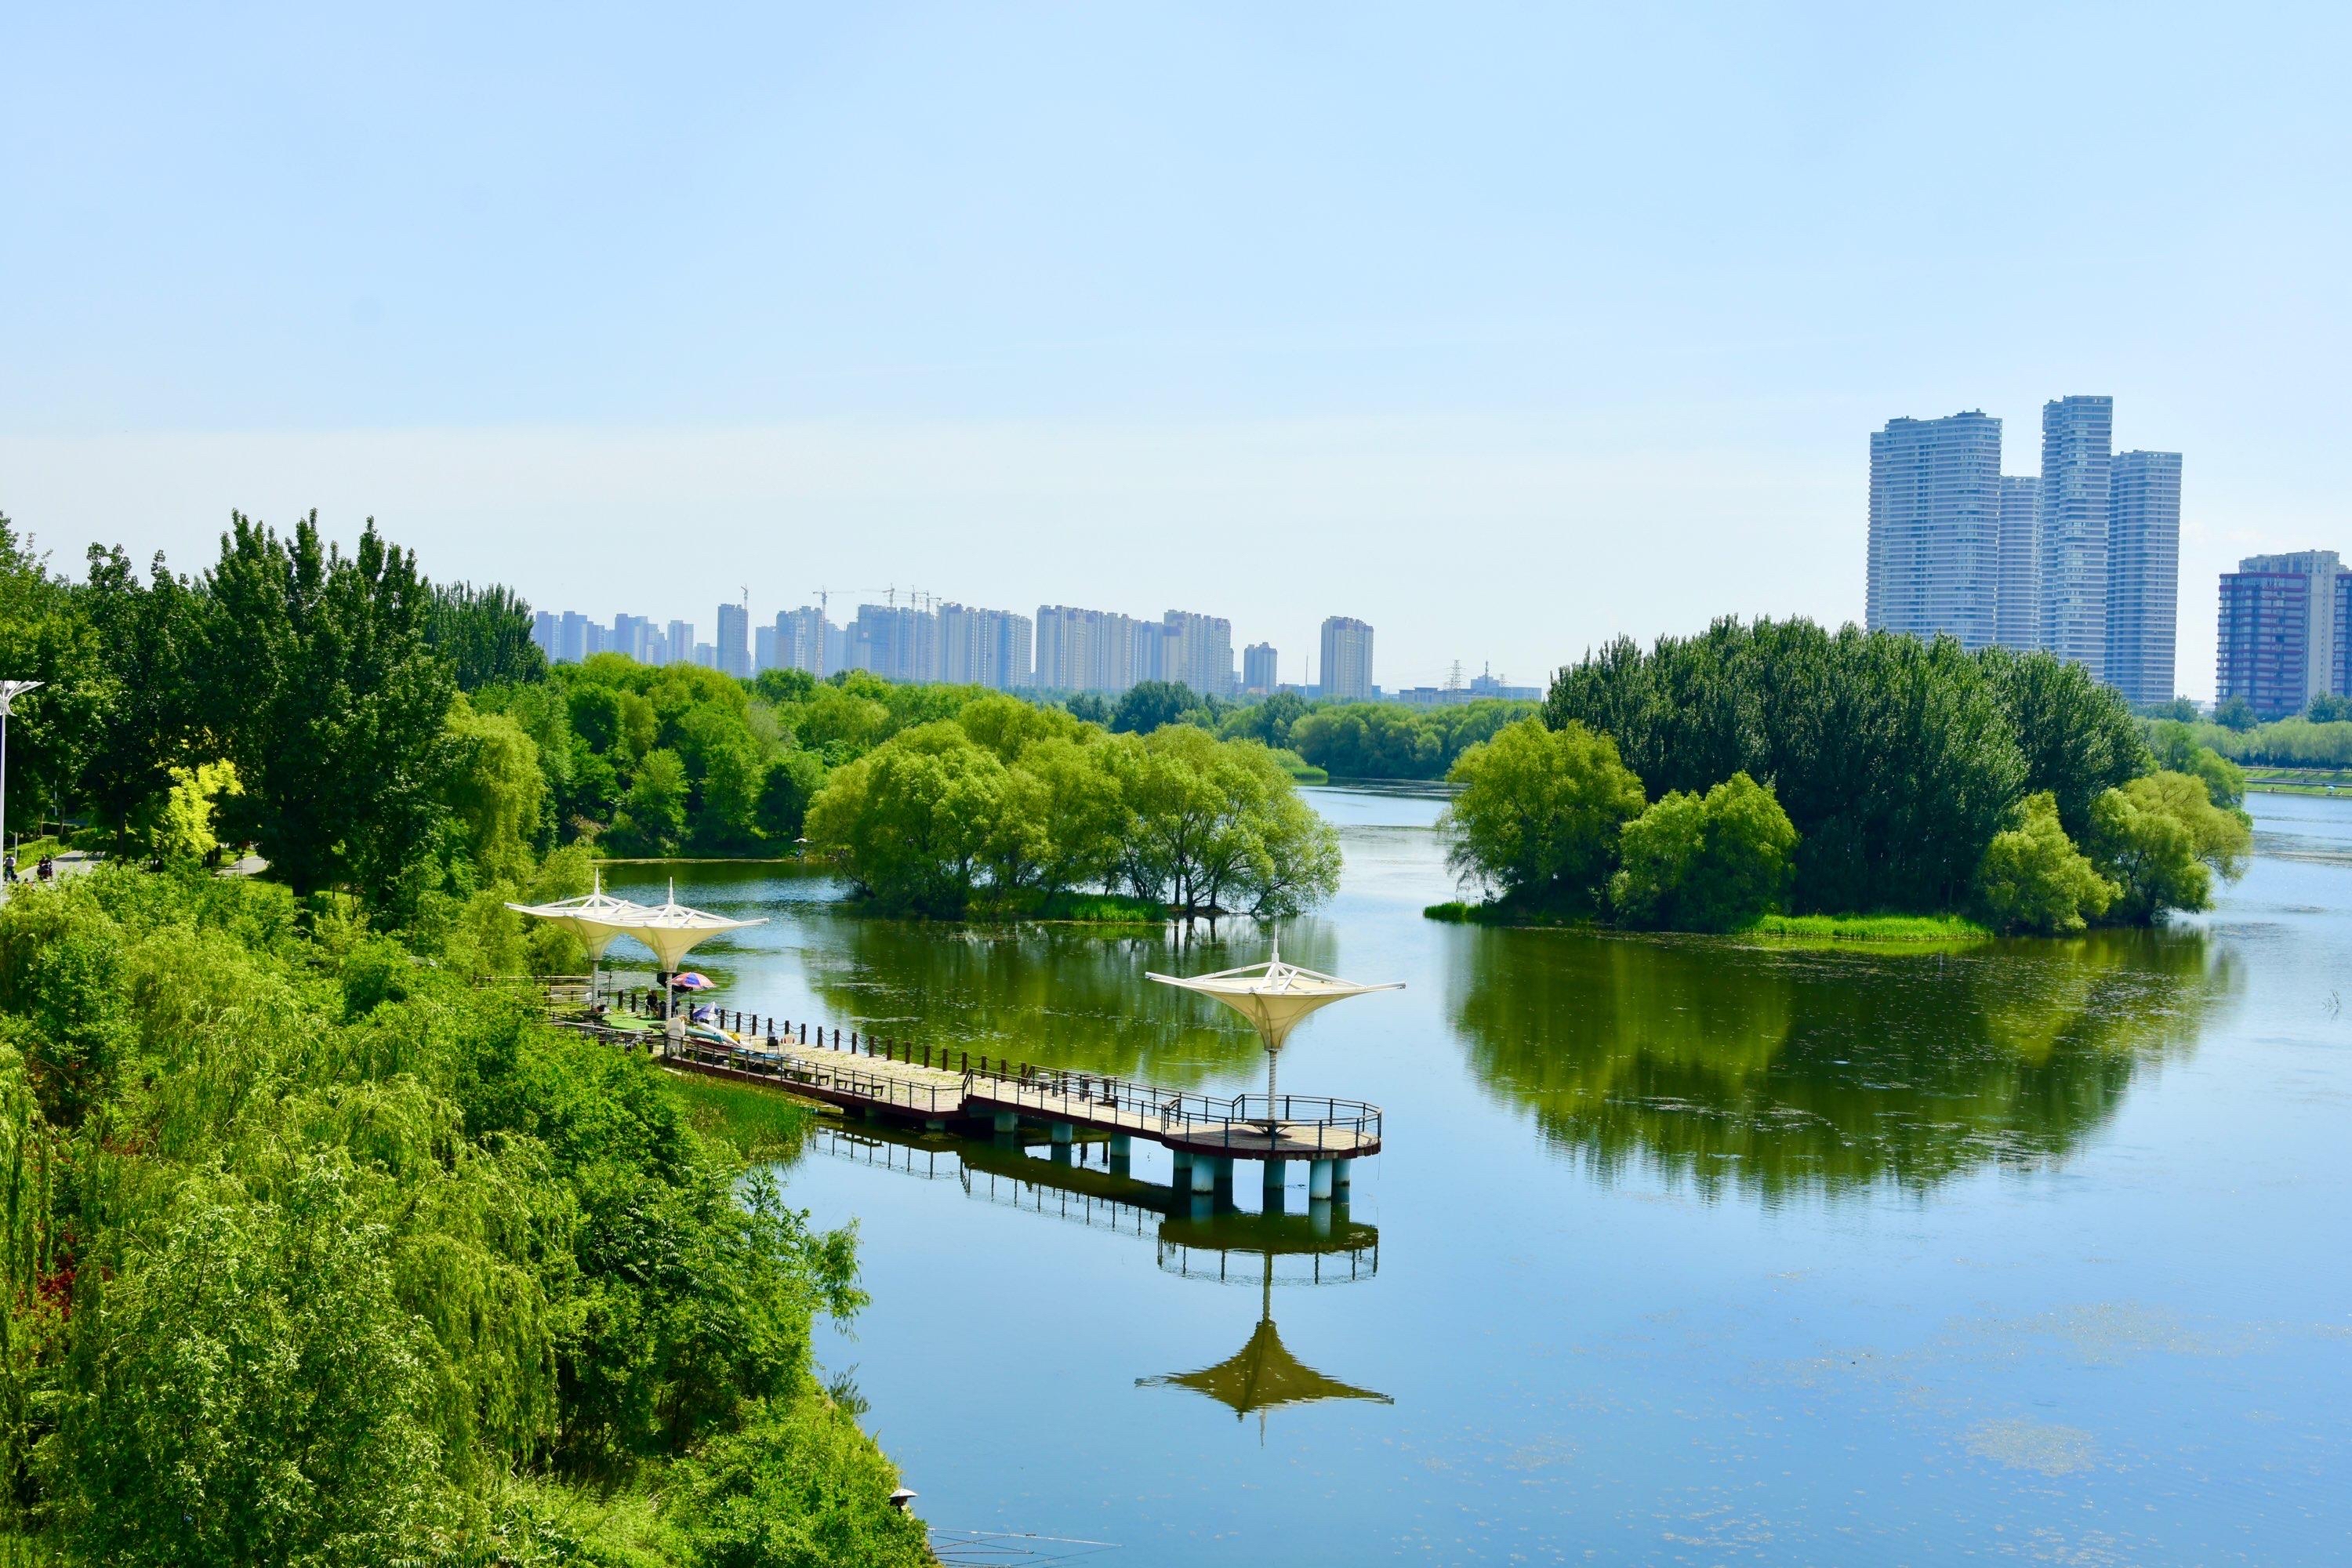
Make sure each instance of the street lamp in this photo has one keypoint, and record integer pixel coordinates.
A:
(9, 691)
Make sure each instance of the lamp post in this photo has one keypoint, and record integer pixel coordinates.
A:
(9, 691)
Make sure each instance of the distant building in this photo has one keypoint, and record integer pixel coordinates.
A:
(2277, 645)
(1197, 651)
(2143, 574)
(984, 647)
(632, 634)
(706, 656)
(1093, 651)
(735, 641)
(545, 630)
(1258, 663)
(681, 643)
(1347, 659)
(2077, 444)
(572, 637)
(1934, 528)
(2017, 609)
(764, 649)
(897, 642)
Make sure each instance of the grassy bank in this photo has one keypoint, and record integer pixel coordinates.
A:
(1866, 927)
(1796, 929)
(2300, 781)
(758, 1124)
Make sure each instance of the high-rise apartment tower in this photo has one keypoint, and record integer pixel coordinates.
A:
(2077, 444)
(2143, 574)
(1347, 659)
(1935, 528)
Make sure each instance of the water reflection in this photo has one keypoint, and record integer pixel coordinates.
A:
(1779, 1072)
(1196, 1236)
(1059, 996)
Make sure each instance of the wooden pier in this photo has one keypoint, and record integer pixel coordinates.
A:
(934, 1088)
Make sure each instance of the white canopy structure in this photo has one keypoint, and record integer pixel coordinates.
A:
(673, 930)
(596, 916)
(1274, 997)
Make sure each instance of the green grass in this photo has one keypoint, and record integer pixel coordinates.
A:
(2299, 781)
(761, 1123)
(1454, 911)
(1867, 928)
(1103, 909)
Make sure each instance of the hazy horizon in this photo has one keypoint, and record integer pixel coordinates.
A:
(1505, 330)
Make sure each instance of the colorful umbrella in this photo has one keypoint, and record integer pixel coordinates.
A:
(690, 980)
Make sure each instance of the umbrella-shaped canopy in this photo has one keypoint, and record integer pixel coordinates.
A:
(596, 916)
(1263, 1375)
(1275, 997)
(673, 930)
(690, 980)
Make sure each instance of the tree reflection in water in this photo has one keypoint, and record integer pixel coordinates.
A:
(1055, 995)
(1781, 1072)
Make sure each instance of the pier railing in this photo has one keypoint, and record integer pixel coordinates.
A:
(1201, 1117)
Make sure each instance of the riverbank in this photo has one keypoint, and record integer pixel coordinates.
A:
(1795, 929)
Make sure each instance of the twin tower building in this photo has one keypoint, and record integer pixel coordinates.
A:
(2084, 560)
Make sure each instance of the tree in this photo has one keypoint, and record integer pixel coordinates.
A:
(2033, 879)
(138, 692)
(1539, 818)
(2235, 713)
(2327, 707)
(2177, 750)
(485, 633)
(653, 818)
(912, 821)
(1150, 705)
(1269, 721)
(791, 783)
(1711, 863)
(183, 828)
(496, 790)
(1088, 708)
(314, 667)
(2077, 735)
(2161, 840)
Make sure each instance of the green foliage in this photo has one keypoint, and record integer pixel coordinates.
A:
(1538, 819)
(184, 832)
(1151, 705)
(485, 633)
(1006, 808)
(2034, 879)
(2235, 713)
(1831, 930)
(1714, 863)
(317, 1254)
(1388, 740)
(2161, 840)
(1895, 760)
(2178, 749)
(2327, 707)
(2289, 743)
(495, 789)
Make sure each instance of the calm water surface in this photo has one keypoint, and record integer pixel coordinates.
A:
(1679, 1251)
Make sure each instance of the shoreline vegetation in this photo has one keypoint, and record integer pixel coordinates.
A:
(1793, 930)
(1802, 774)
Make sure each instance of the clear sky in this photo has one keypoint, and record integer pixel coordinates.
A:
(1506, 330)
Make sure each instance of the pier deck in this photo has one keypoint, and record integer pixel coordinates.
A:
(878, 1079)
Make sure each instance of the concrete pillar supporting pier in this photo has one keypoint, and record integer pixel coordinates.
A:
(1342, 1172)
(1318, 1179)
(1121, 1145)
(1204, 1175)
(1062, 1133)
(1005, 1121)
(1273, 1172)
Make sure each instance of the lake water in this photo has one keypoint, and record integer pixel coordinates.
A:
(1679, 1251)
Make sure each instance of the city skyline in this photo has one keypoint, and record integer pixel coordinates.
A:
(2082, 560)
(1063, 648)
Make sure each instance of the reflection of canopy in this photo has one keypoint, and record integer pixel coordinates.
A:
(1274, 996)
(1263, 1375)
(673, 930)
(596, 916)
(670, 928)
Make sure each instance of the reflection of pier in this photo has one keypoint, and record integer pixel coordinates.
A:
(916, 1086)
(1199, 1236)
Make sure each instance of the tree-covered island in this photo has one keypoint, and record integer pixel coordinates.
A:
(1713, 782)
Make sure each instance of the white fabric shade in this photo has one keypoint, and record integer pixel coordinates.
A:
(596, 916)
(670, 928)
(1275, 997)
(673, 930)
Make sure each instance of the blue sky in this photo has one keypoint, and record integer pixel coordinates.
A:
(1508, 329)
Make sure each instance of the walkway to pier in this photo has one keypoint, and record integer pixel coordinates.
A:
(934, 1087)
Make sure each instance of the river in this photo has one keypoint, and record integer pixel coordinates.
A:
(1679, 1251)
